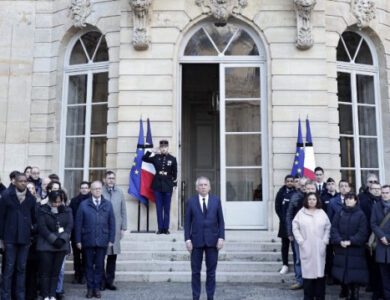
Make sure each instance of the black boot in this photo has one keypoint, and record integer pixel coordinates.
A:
(344, 293)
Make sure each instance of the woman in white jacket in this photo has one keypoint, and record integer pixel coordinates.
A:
(311, 229)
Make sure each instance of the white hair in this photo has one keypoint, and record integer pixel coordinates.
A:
(201, 178)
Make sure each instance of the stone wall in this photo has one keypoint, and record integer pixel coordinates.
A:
(35, 35)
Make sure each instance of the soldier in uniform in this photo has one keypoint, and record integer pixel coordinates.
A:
(163, 183)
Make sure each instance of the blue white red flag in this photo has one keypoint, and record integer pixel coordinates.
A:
(135, 172)
(297, 168)
(310, 162)
(148, 170)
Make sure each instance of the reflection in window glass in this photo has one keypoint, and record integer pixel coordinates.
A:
(77, 92)
(367, 113)
(72, 180)
(243, 82)
(98, 152)
(78, 55)
(352, 41)
(347, 152)
(91, 40)
(242, 44)
(243, 150)
(200, 45)
(365, 89)
(99, 119)
(345, 119)
(242, 116)
(364, 56)
(100, 87)
(344, 87)
(244, 185)
(349, 175)
(75, 123)
(96, 174)
(74, 152)
(221, 35)
(369, 153)
(102, 52)
(90, 46)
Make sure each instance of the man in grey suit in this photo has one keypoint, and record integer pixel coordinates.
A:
(204, 232)
(115, 195)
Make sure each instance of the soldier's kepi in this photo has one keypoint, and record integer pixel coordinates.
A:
(163, 183)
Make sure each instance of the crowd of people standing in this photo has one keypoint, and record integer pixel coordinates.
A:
(336, 237)
(39, 226)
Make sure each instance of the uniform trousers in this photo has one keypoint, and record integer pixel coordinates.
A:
(285, 246)
(78, 262)
(163, 206)
(385, 272)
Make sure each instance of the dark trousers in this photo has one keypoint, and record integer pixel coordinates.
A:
(32, 273)
(385, 272)
(50, 263)
(211, 267)
(314, 289)
(163, 206)
(285, 246)
(94, 259)
(16, 257)
(375, 275)
(110, 269)
(329, 260)
(78, 262)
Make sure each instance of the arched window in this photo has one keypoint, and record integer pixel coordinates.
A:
(224, 105)
(84, 123)
(359, 116)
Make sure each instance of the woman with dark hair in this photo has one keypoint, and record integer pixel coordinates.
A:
(349, 235)
(311, 229)
(55, 223)
(27, 171)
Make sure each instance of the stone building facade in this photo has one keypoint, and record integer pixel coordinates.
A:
(223, 81)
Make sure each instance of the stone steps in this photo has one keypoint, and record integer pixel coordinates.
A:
(248, 256)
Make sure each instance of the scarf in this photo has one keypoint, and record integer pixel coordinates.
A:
(21, 195)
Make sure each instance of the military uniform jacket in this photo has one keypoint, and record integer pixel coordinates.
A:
(166, 171)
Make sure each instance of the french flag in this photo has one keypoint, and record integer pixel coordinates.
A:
(147, 169)
(310, 162)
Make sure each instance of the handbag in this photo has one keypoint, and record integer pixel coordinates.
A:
(372, 239)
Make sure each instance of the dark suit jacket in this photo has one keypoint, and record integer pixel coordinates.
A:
(204, 231)
(95, 227)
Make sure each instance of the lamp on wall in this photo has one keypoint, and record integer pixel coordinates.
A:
(214, 103)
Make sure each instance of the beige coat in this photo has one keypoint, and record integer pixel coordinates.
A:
(311, 231)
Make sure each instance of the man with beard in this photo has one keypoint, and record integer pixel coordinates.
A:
(78, 261)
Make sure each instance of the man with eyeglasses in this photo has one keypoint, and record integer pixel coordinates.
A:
(114, 194)
(367, 200)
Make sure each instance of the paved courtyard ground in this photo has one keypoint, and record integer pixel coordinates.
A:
(182, 291)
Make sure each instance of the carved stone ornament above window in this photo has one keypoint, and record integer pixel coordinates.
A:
(364, 11)
(304, 9)
(222, 10)
(79, 11)
(141, 16)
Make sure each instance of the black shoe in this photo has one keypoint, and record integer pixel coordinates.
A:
(60, 296)
(89, 294)
(97, 294)
(344, 293)
(103, 286)
(166, 231)
(111, 287)
(159, 231)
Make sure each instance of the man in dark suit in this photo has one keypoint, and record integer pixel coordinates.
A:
(95, 231)
(320, 184)
(204, 232)
(163, 183)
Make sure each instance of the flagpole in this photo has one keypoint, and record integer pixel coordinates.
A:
(139, 217)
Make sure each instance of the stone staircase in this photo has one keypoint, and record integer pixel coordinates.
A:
(248, 256)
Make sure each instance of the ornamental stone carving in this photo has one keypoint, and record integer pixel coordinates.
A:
(141, 15)
(304, 9)
(79, 11)
(364, 12)
(222, 10)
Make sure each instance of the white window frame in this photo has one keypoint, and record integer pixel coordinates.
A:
(89, 69)
(355, 69)
(239, 61)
